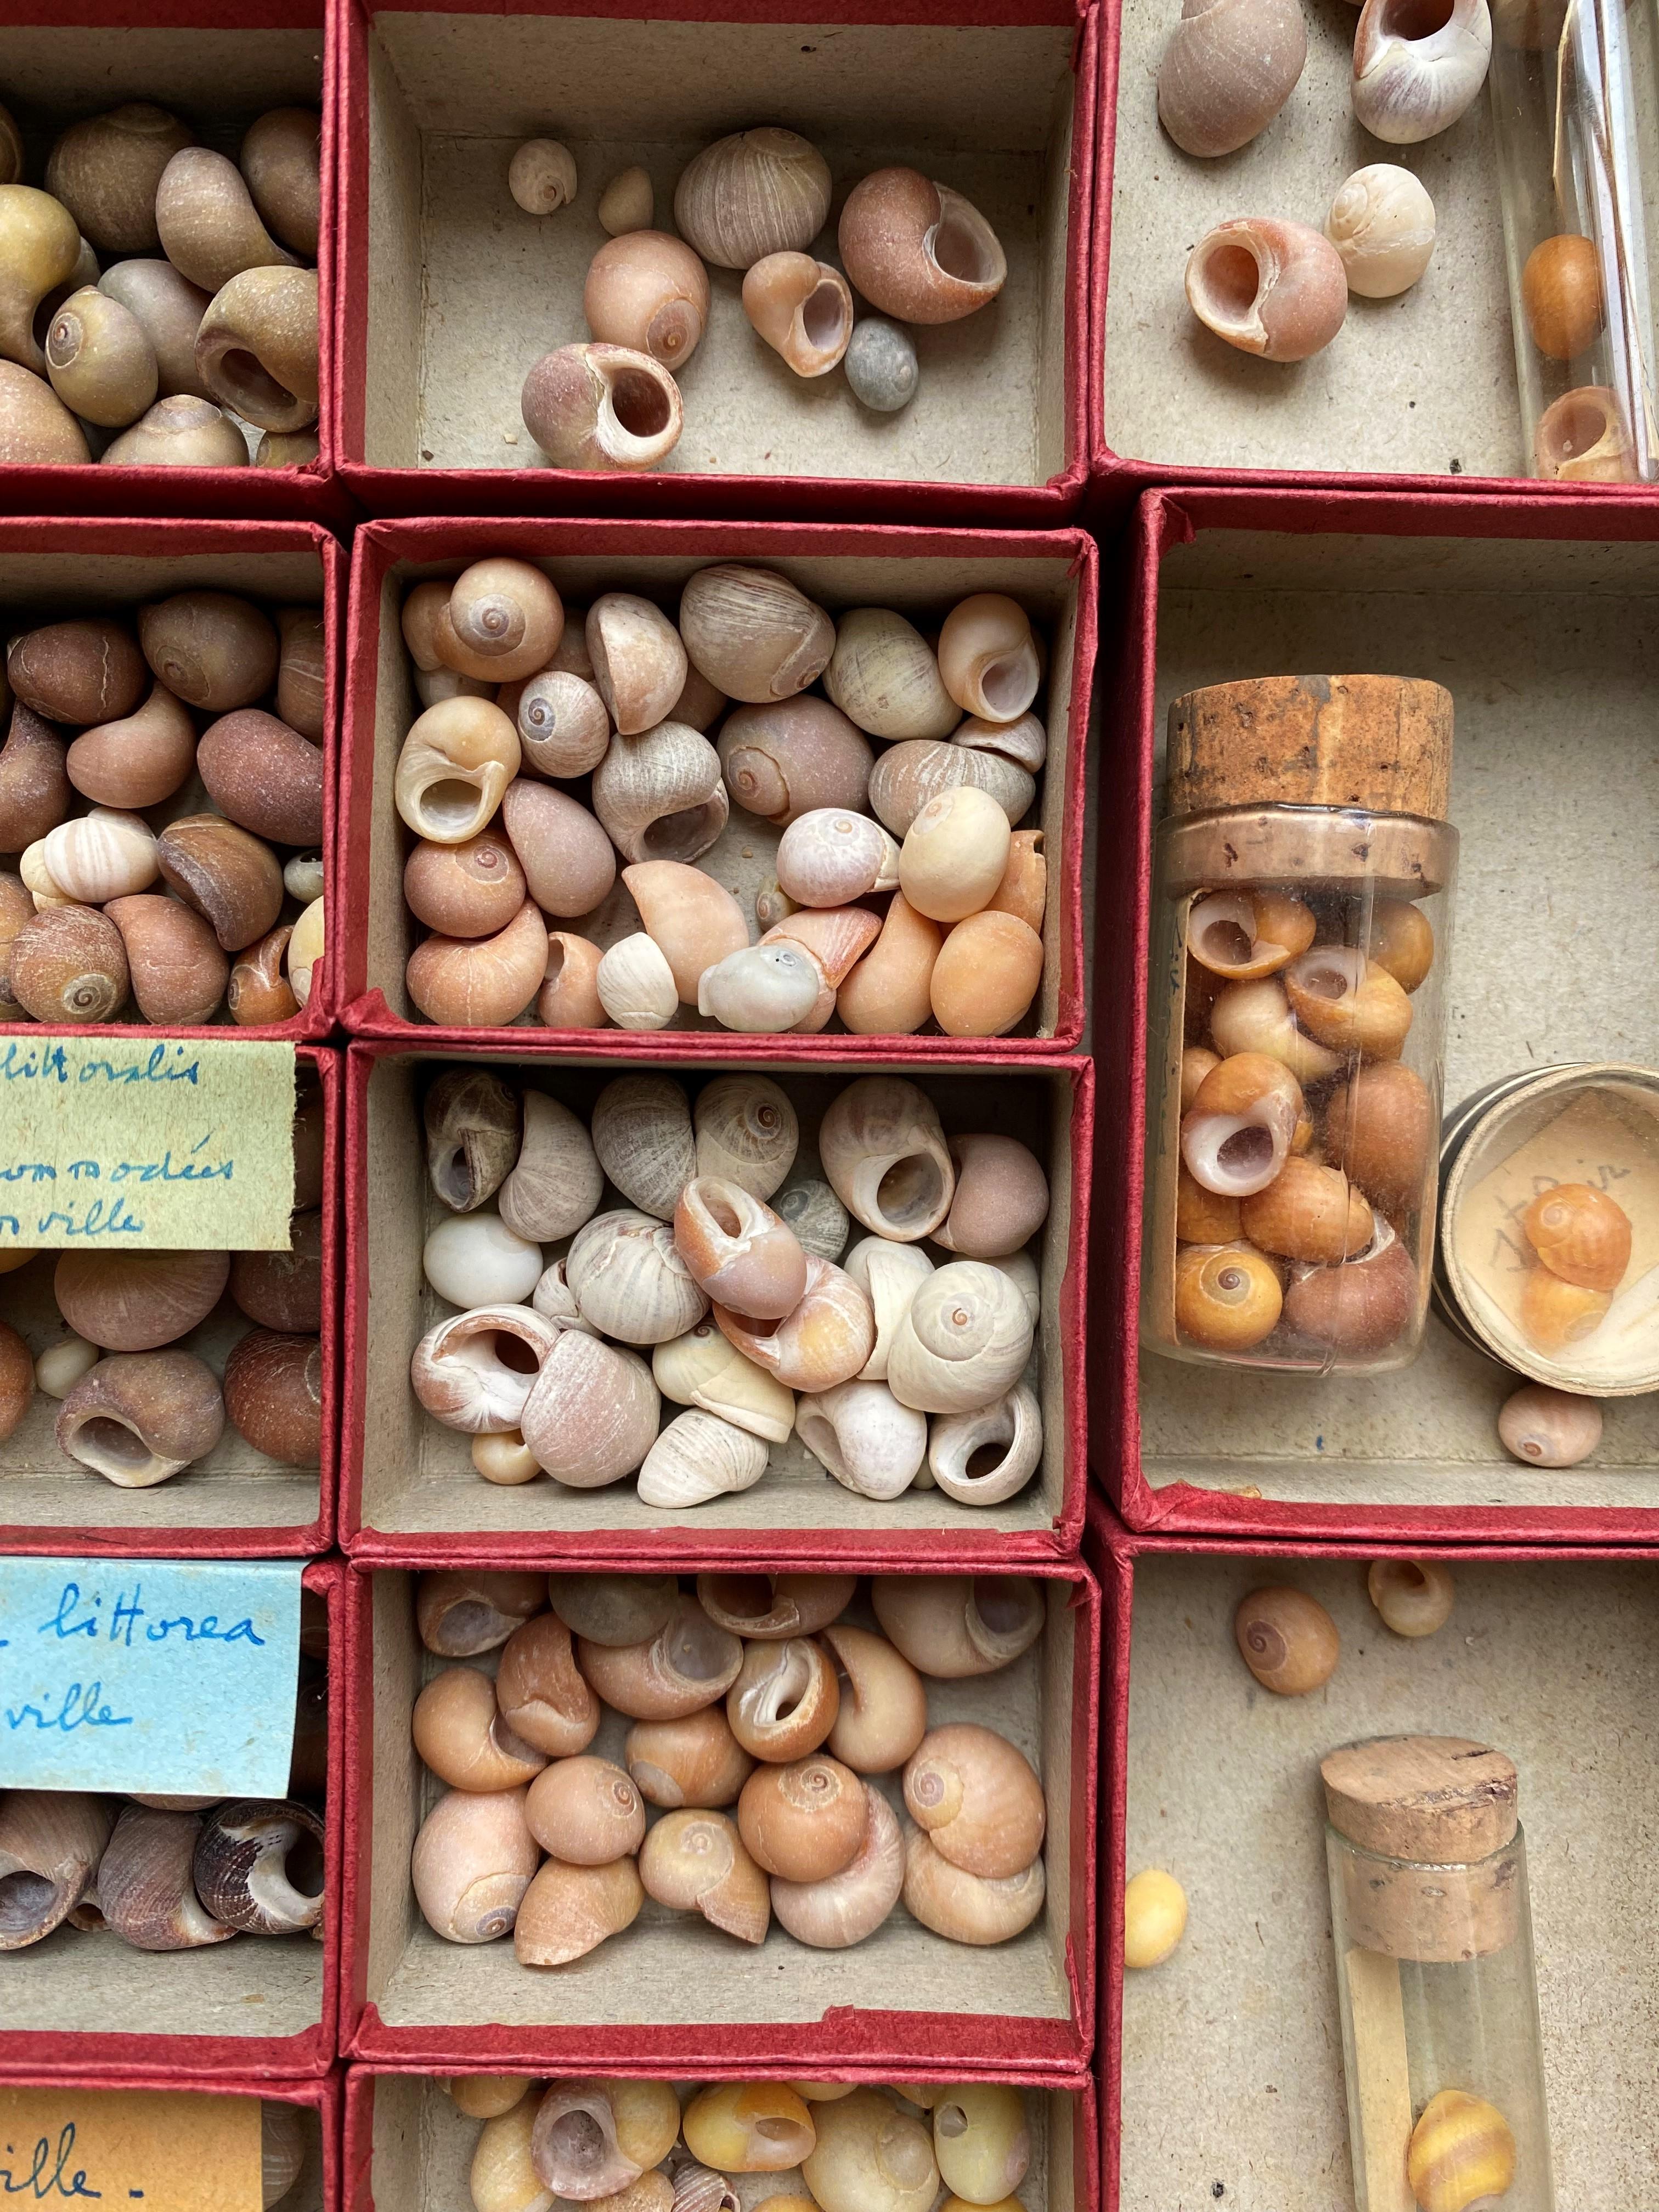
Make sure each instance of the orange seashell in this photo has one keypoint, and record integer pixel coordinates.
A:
(1561, 293)
(1555, 1313)
(694, 921)
(1380, 1128)
(1402, 940)
(1244, 934)
(986, 975)
(824, 1340)
(1204, 1217)
(1580, 1234)
(1308, 1212)
(570, 996)
(483, 982)
(1348, 1002)
(1024, 890)
(888, 994)
(837, 937)
(1226, 1299)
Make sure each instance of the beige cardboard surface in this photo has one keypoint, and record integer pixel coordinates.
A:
(1232, 2055)
(95, 1983)
(1551, 653)
(984, 110)
(418, 1475)
(642, 1976)
(1423, 383)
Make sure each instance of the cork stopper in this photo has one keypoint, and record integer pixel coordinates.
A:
(1383, 743)
(1438, 1798)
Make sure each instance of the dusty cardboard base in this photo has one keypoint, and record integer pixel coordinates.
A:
(1549, 652)
(95, 1983)
(1232, 2051)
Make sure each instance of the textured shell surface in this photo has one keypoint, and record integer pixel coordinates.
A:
(745, 1129)
(754, 193)
(699, 1457)
(1229, 67)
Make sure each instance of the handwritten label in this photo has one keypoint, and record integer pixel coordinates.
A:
(157, 1143)
(130, 2150)
(168, 1677)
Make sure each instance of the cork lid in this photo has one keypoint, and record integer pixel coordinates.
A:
(1436, 1797)
(1383, 743)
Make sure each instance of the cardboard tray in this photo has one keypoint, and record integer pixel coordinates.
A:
(255, 2008)
(219, 65)
(409, 1491)
(1538, 612)
(1054, 573)
(904, 1999)
(235, 1504)
(448, 294)
(1547, 1654)
(55, 566)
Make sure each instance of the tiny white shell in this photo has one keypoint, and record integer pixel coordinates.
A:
(699, 1457)
(476, 1259)
(1014, 1423)
(61, 1365)
(869, 1442)
(636, 985)
(1382, 223)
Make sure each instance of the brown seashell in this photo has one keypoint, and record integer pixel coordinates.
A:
(100, 361)
(602, 407)
(264, 775)
(215, 649)
(772, 1609)
(1000, 1200)
(259, 1866)
(259, 992)
(256, 348)
(699, 2189)
(50, 1842)
(68, 964)
(283, 1289)
(696, 1861)
(1269, 287)
(952, 1626)
(137, 1418)
(16, 906)
(36, 429)
(209, 228)
(302, 672)
(752, 633)
(586, 1811)
(802, 308)
(274, 1396)
(483, 982)
(784, 1701)
(82, 671)
(570, 996)
(137, 1301)
(694, 1760)
(753, 193)
(543, 1696)
(146, 1891)
(170, 308)
(883, 1714)
(1308, 1212)
(968, 1908)
(471, 1864)
(917, 250)
(139, 761)
(16, 1379)
(178, 972)
(687, 1664)
(472, 1123)
(1360, 1307)
(837, 937)
(916, 769)
(105, 170)
(470, 889)
(183, 432)
(35, 787)
(459, 1612)
(846, 1907)
(281, 159)
(568, 864)
(1024, 890)
(806, 1821)
(226, 874)
(791, 756)
(1379, 1128)
(568, 1910)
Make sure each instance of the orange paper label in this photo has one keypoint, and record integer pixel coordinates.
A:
(130, 2150)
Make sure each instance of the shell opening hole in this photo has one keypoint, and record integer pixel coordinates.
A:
(578, 2143)
(1003, 1606)
(555, 960)
(964, 248)
(742, 1597)
(1580, 427)
(1224, 943)
(824, 317)
(984, 1459)
(449, 805)
(950, 2120)
(723, 1214)
(639, 402)
(515, 1354)
(1231, 280)
(113, 1443)
(1414, 18)
(303, 1865)
(249, 381)
(684, 835)
(1005, 682)
(25, 1900)
(910, 1190)
(776, 2131)
(1246, 1151)
(1327, 982)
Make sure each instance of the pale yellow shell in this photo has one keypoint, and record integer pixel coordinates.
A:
(701, 1369)
(541, 176)
(1381, 223)
(639, 663)
(883, 675)
(626, 203)
(954, 854)
(459, 742)
(39, 251)
(988, 657)
(889, 1275)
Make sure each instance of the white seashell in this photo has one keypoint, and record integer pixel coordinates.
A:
(38, 879)
(702, 1368)
(641, 1130)
(638, 662)
(885, 1155)
(1025, 742)
(459, 1374)
(476, 1259)
(889, 1275)
(61, 1365)
(591, 1414)
(869, 1443)
(830, 856)
(699, 1457)
(764, 989)
(101, 855)
(557, 1182)
(555, 1301)
(1229, 67)
(1406, 89)
(1013, 1423)
(636, 985)
(816, 1214)
(987, 658)
(541, 176)
(1021, 1269)
(630, 1281)
(1382, 223)
(659, 795)
(746, 1131)
(883, 675)
(964, 1341)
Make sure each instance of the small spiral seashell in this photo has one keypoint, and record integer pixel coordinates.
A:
(1287, 1640)
(1269, 287)
(802, 308)
(1414, 1596)
(541, 176)
(747, 1131)
(1581, 439)
(1542, 1427)
(698, 2189)
(1381, 223)
(1229, 67)
(1405, 87)
(1579, 1232)
(965, 1340)
(1462, 2153)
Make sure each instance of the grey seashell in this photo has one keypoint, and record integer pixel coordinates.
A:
(881, 366)
(817, 1217)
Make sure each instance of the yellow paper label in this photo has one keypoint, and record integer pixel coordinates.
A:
(131, 2150)
(156, 1145)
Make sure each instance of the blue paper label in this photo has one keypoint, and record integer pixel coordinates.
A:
(169, 1677)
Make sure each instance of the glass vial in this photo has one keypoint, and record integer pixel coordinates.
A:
(1574, 90)
(1432, 1928)
(1300, 934)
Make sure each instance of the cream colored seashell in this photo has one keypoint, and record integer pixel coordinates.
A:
(636, 985)
(1408, 89)
(987, 658)
(825, 1340)
(61, 1366)
(455, 764)
(101, 855)
(964, 1341)
(884, 1153)
(556, 1180)
(917, 250)
(699, 1457)
(541, 176)
(1024, 741)
(832, 855)
(746, 1131)
(554, 1299)
(659, 793)
(695, 921)
(459, 1374)
(480, 982)
(626, 203)
(638, 662)
(954, 854)
(701, 1369)
(764, 990)
(803, 309)
(640, 1125)
(1021, 1269)
(475, 1258)
(869, 2155)
(1269, 287)
(1001, 1197)
(889, 1275)
(38, 879)
(968, 1908)
(772, 906)
(871, 1444)
(1581, 438)
(501, 621)
(836, 936)
(500, 2178)
(1381, 223)
(752, 634)
(592, 1413)
(630, 1281)
(755, 194)
(304, 950)
(602, 407)
(563, 723)
(1227, 67)
(648, 291)
(909, 775)
(816, 1214)
(1011, 1429)
(695, 1861)
(789, 757)
(883, 675)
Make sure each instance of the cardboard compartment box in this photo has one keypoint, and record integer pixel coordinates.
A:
(406, 2143)
(923, 574)
(449, 293)
(217, 67)
(411, 1489)
(1549, 1656)
(255, 2007)
(673, 1991)
(53, 569)
(1540, 615)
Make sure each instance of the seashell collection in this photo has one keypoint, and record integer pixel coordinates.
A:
(558, 750)
(784, 1752)
(841, 2147)
(680, 1251)
(131, 1353)
(161, 813)
(158, 299)
(755, 202)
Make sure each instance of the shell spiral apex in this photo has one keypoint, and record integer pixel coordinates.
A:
(1381, 223)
